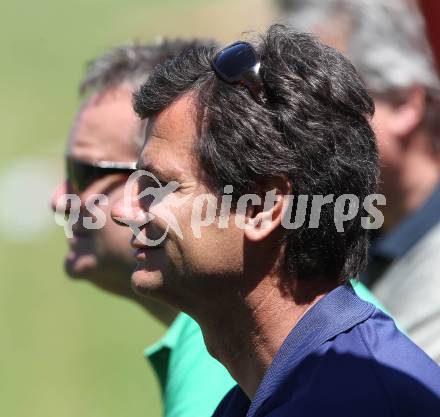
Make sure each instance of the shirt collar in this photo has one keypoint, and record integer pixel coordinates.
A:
(159, 353)
(337, 312)
(398, 241)
(169, 340)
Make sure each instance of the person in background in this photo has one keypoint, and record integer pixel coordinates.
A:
(431, 12)
(386, 41)
(259, 125)
(102, 148)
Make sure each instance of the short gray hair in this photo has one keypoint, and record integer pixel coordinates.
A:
(387, 43)
(132, 63)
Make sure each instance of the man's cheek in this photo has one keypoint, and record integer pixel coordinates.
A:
(171, 213)
(97, 206)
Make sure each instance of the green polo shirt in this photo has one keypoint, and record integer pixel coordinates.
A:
(192, 382)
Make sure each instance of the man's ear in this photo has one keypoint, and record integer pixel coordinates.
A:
(409, 112)
(265, 219)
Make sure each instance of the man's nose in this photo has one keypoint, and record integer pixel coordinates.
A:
(127, 211)
(63, 201)
(119, 213)
(57, 201)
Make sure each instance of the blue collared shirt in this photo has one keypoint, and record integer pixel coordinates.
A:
(344, 358)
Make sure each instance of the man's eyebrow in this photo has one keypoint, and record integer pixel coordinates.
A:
(140, 165)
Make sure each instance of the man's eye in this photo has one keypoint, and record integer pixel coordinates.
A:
(145, 182)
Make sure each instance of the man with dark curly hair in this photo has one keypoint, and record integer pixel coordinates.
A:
(264, 127)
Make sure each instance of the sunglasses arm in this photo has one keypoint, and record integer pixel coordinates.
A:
(253, 81)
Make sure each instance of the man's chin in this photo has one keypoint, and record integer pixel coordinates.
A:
(80, 266)
(146, 283)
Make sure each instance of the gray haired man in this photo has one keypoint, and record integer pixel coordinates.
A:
(103, 145)
(386, 41)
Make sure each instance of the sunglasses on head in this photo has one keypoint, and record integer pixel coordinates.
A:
(239, 64)
(81, 174)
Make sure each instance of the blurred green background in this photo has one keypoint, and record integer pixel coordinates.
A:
(67, 349)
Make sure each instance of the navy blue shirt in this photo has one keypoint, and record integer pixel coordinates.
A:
(344, 358)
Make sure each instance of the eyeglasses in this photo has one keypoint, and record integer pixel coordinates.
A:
(239, 64)
(81, 174)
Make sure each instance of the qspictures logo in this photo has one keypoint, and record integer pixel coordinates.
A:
(142, 205)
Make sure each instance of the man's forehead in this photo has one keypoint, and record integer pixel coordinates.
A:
(105, 127)
(176, 119)
(170, 136)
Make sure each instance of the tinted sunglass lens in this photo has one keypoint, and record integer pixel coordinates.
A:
(79, 175)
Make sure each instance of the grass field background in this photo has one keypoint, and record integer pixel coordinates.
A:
(66, 349)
